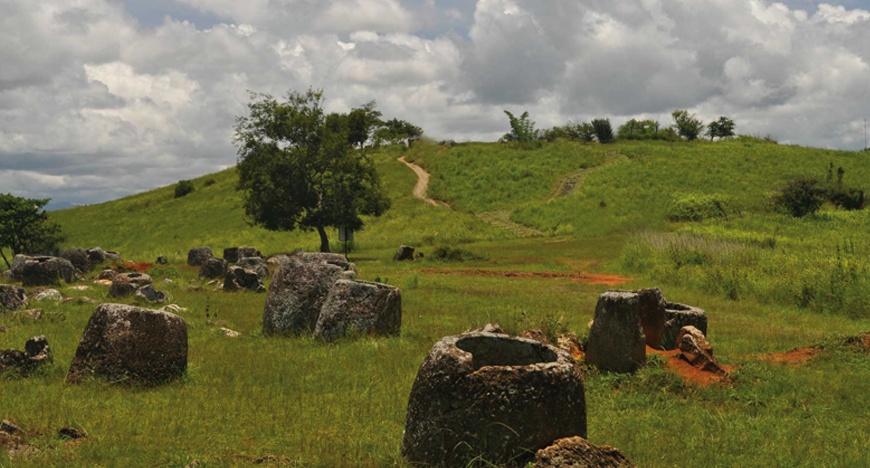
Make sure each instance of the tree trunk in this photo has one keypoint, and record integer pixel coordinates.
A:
(5, 259)
(324, 239)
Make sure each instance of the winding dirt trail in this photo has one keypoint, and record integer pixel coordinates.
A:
(422, 182)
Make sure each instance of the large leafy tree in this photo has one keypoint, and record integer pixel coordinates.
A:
(396, 131)
(25, 228)
(299, 167)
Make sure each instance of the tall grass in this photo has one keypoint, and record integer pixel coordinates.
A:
(818, 263)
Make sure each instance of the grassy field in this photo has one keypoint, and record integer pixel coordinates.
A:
(317, 405)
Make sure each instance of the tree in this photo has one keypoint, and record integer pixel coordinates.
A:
(362, 124)
(722, 128)
(688, 126)
(639, 130)
(603, 131)
(298, 168)
(396, 131)
(522, 129)
(586, 132)
(25, 228)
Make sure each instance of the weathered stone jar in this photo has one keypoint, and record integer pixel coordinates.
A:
(125, 344)
(492, 395)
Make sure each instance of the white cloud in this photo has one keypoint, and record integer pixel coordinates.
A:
(92, 106)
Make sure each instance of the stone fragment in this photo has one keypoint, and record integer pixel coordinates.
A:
(12, 298)
(537, 335)
(679, 316)
(577, 452)
(697, 351)
(149, 294)
(126, 284)
(48, 295)
(240, 279)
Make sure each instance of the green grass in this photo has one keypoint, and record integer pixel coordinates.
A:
(344, 404)
(484, 177)
(147, 225)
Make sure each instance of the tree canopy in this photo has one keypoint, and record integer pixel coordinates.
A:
(25, 227)
(722, 128)
(688, 125)
(301, 168)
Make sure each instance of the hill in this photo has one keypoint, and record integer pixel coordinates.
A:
(540, 234)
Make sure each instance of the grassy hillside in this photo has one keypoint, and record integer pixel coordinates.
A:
(155, 223)
(312, 404)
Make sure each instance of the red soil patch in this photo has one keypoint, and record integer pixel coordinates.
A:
(689, 373)
(607, 280)
(585, 278)
(795, 357)
(129, 267)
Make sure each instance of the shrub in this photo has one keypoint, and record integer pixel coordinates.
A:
(454, 254)
(692, 207)
(522, 129)
(846, 198)
(800, 197)
(603, 131)
(183, 188)
(210, 182)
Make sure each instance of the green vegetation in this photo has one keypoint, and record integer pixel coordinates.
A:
(522, 129)
(687, 125)
(482, 177)
(184, 188)
(25, 227)
(692, 218)
(603, 131)
(299, 167)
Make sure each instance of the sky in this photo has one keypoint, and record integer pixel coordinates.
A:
(104, 98)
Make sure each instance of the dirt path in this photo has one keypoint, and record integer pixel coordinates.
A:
(571, 184)
(422, 182)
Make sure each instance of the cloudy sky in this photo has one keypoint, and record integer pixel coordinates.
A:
(103, 98)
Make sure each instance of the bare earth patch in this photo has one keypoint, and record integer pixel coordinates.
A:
(677, 365)
(580, 277)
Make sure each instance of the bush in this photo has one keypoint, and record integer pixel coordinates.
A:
(183, 188)
(210, 182)
(800, 197)
(698, 207)
(846, 198)
(454, 254)
(603, 131)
